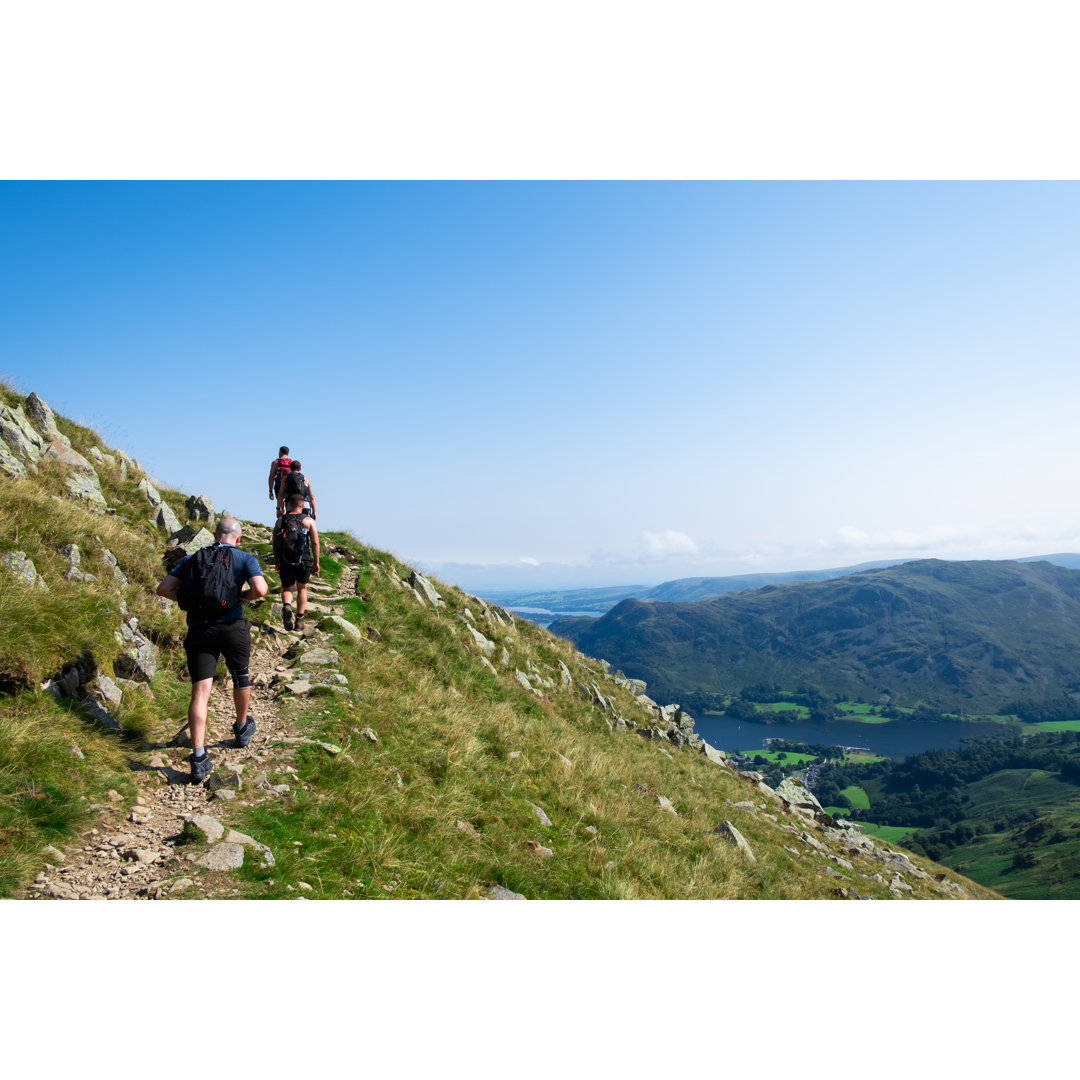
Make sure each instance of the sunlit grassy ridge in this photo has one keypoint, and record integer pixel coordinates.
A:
(46, 790)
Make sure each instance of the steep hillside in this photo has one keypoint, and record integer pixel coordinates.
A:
(960, 635)
(416, 742)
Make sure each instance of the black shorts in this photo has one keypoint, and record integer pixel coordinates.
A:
(295, 575)
(204, 644)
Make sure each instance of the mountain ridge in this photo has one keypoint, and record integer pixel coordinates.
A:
(965, 635)
(690, 589)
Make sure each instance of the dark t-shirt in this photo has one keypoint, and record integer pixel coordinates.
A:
(244, 566)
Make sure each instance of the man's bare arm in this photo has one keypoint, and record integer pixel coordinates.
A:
(168, 587)
(309, 524)
(256, 587)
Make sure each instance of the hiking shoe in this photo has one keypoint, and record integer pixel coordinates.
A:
(201, 768)
(243, 734)
(299, 622)
(288, 617)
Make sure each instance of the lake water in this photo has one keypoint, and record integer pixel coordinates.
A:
(896, 739)
(543, 617)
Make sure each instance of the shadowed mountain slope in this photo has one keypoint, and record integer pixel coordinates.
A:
(970, 635)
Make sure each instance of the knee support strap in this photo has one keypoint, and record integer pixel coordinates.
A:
(241, 679)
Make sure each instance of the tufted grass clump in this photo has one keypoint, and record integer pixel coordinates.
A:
(46, 788)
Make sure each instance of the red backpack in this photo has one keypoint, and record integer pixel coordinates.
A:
(283, 464)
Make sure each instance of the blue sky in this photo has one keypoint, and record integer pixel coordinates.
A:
(518, 384)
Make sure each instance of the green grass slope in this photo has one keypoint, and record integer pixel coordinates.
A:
(446, 754)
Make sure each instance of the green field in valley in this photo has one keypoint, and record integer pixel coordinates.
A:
(783, 757)
(890, 834)
(800, 711)
(860, 711)
(857, 797)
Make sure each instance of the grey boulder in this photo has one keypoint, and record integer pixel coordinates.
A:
(23, 569)
(44, 420)
(200, 508)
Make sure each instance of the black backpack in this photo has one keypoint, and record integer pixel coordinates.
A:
(295, 484)
(208, 585)
(291, 540)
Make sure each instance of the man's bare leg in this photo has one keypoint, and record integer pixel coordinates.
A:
(241, 700)
(200, 700)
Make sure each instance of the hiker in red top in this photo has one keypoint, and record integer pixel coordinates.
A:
(279, 469)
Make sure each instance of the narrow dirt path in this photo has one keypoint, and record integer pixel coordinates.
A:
(137, 851)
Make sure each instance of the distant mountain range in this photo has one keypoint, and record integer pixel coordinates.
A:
(970, 635)
(700, 588)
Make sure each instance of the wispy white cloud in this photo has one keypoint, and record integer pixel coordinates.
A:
(667, 543)
(528, 560)
(950, 541)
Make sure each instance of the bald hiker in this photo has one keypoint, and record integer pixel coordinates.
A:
(296, 557)
(209, 587)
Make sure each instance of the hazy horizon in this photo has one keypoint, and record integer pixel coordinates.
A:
(478, 579)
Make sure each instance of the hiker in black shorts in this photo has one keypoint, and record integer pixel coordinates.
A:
(216, 628)
(296, 557)
(296, 483)
(279, 469)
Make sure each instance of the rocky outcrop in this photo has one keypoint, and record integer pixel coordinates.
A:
(109, 560)
(23, 569)
(74, 571)
(524, 683)
(726, 831)
(138, 658)
(25, 445)
(30, 439)
(796, 794)
(185, 542)
(339, 622)
(483, 643)
(200, 508)
(424, 587)
(151, 492)
(165, 518)
(43, 420)
(717, 757)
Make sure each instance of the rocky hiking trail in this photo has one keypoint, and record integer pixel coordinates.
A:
(176, 840)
